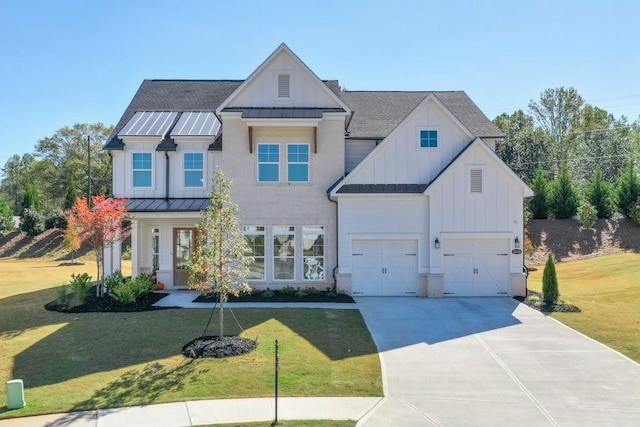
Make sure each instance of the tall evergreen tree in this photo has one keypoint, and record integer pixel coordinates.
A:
(550, 290)
(628, 189)
(563, 196)
(539, 204)
(600, 194)
(72, 194)
(30, 197)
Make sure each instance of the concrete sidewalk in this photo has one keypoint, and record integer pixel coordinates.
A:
(200, 412)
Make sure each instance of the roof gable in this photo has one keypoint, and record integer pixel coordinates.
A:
(260, 88)
(462, 158)
(404, 133)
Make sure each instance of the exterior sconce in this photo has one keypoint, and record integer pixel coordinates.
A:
(437, 243)
(516, 243)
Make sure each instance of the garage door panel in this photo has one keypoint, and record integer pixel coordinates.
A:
(384, 267)
(475, 267)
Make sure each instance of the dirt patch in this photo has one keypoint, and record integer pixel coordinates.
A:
(277, 296)
(18, 244)
(569, 241)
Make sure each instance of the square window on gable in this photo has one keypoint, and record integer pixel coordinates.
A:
(428, 138)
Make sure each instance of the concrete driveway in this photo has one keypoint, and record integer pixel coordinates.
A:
(493, 362)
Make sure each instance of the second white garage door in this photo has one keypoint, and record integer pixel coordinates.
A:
(384, 267)
(475, 267)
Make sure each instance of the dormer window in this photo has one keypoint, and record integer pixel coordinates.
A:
(284, 88)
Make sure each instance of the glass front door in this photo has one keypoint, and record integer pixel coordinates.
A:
(184, 241)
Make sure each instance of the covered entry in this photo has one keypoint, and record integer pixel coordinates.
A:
(384, 267)
(475, 267)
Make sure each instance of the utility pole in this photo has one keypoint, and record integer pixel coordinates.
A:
(89, 168)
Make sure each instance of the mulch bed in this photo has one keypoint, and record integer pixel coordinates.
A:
(94, 304)
(209, 346)
(534, 300)
(322, 296)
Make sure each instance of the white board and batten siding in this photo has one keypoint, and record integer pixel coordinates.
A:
(400, 160)
(382, 219)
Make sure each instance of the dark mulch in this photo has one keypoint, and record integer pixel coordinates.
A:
(534, 300)
(322, 296)
(209, 346)
(94, 304)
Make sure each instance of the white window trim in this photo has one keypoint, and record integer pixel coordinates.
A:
(308, 163)
(204, 171)
(420, 129)
(294, 257)
(324, 256)
(258, 163)
(153, 164)
(265, 256)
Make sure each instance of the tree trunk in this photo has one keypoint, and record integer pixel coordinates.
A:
(221, 316)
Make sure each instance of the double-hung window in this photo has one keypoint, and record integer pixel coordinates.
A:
(254, 236)
(268, 162)
(428, 138)
(142, 169)
(193, 170)
(298, 162)
(284, 252)
(313, 252)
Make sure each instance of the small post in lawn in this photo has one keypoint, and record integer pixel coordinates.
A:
(277, 369)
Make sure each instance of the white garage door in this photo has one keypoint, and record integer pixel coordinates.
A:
(384, 267)
(475, 267)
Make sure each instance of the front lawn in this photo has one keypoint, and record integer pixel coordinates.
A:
(81, 361)
(607, 290)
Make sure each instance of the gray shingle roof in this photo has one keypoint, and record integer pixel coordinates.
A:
(376, 114)
(174, 95)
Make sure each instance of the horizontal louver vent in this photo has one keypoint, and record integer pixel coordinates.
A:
(283, 85)
(476, 181)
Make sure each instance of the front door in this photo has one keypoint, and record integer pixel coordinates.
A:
(184, 241)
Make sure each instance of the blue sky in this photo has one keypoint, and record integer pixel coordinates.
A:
(66, 62)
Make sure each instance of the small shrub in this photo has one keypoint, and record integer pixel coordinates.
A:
(141, 285)
(62, 296)
(80, 286)
(113, 280)
(32, 222)
(123, 293)
(267, 294)
(587, 213)
(311, 291)
(550, 291)
(288, 290)
(55, 220)
(126, 254)
(301, 293)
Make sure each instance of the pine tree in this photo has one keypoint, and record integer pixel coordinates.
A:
(221, 260)
(72, 194)
(539, 203)
(550, 291)
(600, 194)
(563, 196)
(628, 189)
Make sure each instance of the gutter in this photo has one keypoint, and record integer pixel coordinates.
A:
(333, 273)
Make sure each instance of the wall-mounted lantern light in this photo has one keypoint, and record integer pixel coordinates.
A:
(516, 242)
(437, 243)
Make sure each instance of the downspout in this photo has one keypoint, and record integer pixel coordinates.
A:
(334, 287)
(166, 158)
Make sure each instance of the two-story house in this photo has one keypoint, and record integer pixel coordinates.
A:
(379, 193)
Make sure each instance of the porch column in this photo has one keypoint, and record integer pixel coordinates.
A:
(112, 258)
(135, 250)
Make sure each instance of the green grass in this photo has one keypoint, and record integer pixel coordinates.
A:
(607, 290)
(72, 362)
